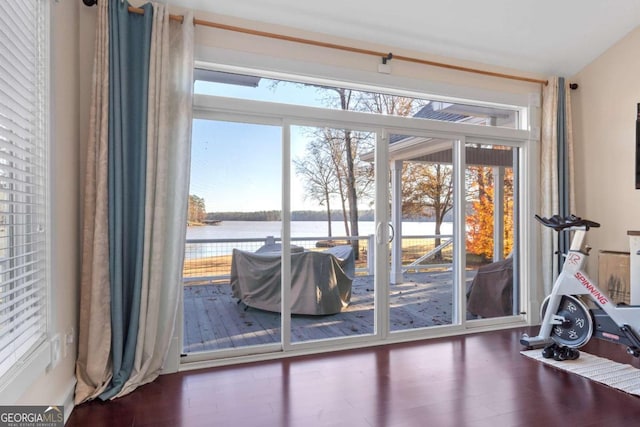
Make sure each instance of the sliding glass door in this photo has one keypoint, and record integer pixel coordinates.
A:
(423, 289)
(231, 293)
(313, 229)
(492, 182)
(243, 263)
(332, 232)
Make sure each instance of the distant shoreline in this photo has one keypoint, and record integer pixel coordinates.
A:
(302, 216)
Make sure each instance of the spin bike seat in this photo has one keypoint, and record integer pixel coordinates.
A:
(559, 223)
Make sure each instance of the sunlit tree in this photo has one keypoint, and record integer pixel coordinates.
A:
(480, 222)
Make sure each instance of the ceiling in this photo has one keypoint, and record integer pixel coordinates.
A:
(550, 37)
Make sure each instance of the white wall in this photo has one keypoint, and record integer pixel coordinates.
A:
(56, 385)
(604, 113)
(229, 46)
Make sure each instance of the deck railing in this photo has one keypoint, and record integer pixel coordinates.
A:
(210, 259)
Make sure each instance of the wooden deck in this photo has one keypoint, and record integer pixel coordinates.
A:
(214, 320)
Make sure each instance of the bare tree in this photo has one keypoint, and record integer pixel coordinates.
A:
(333, 139)
(427, 190)
(320, 180)
(354, 178)
(391, 105)
(345, 97)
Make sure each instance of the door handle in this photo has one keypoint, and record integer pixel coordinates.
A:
(379, 233)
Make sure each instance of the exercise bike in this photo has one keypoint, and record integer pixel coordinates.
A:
(567, 323)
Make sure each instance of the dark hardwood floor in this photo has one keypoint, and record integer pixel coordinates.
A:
(473, 380)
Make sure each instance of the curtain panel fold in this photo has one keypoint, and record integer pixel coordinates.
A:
(93, 366)
(135, 198)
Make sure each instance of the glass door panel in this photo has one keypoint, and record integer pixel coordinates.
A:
(492, 200)
(231, 291)
(332, 228)
(421, 293)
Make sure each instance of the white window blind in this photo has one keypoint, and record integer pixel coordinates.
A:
(23, 179)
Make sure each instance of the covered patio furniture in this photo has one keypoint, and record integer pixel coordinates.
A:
(320, 281)
(491, 292)
(276, 249)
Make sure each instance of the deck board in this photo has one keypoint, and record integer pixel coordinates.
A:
(192, 334)
(214, 320)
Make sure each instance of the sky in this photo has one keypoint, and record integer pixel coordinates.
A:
(237, 166)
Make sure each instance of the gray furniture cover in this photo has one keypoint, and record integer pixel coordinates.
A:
(320, 281)
(491, 293)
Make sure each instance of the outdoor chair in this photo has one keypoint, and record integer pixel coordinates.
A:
(491, 292)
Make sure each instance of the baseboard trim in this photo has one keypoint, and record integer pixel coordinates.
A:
(69, 398)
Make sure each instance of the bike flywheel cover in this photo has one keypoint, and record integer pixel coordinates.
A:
(577, 328)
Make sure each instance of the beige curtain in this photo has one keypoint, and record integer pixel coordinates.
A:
(168, 165)
(549, 180)
(93, 367)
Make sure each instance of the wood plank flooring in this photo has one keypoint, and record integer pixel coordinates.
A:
(475, 380)
(213, 320)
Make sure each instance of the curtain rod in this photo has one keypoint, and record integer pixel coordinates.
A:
(384, 56)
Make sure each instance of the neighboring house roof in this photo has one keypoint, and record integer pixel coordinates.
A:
(474, 155)
(427, 112)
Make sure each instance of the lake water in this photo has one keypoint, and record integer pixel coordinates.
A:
(262, 229)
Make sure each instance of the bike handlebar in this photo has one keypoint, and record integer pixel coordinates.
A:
(559, 223)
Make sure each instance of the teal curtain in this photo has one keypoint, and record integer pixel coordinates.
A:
(130, 40)
(563, 169)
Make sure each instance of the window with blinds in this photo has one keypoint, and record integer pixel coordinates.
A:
(23, 178)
